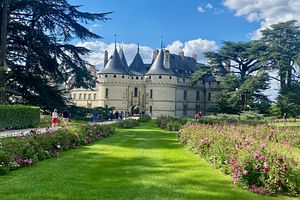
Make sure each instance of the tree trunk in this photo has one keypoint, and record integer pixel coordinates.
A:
(4, 4)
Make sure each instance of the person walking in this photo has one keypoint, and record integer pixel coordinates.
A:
(94, 116)
(66, 117)
(54, 118)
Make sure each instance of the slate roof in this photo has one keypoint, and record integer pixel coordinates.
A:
(122, 57)
(158, 67)
(137, 66)
(115, 65)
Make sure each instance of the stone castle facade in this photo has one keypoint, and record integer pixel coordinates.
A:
(163, 87)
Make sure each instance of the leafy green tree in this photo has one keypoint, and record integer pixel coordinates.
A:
(244, 80)
(282, 54)
(40, 53)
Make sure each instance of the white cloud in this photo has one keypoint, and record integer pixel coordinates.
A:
(266, 12)
(200, 9)
(198, 46)
(96, 57)
(209, 6)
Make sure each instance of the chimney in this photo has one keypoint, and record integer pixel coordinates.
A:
(194, 56)
(167, 59)
(155, 53)
(181, 54)
(227, 65)
(105, 58)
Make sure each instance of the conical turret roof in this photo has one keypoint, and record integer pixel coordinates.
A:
(158, 67)
(137, 66)
(123, 58)
(115, 65)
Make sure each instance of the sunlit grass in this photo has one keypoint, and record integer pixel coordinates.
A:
(140, 163)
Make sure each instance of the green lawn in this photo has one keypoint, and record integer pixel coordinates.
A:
(140, 163)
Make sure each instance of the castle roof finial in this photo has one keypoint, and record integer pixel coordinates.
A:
(138, 48)
(115, 35)
(162, 41)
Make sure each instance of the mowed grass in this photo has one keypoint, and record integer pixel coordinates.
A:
(133, 164)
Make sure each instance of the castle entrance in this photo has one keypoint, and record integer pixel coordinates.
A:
(135, 110)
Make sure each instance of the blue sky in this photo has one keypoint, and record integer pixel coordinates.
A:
(144, 21)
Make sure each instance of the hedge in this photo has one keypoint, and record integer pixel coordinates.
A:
(18, 116)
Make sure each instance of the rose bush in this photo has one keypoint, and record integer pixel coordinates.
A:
(260, 157)
(23, 151)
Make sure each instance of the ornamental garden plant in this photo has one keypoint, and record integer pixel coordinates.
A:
(261, 158)
(26, 150)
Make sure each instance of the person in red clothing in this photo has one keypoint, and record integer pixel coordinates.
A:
(54, 118)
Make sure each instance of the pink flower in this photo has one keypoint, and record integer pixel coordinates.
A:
(266, 168)
(245, 172)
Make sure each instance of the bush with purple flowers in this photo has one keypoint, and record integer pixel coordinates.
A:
(26, 150)
(261, 158)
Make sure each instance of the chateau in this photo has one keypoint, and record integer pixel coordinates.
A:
(163, 87)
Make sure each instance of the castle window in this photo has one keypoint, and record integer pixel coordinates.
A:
(142, 78)
(115, 76)
(159, 77)
(170, 77)
(149, 77)
(105, 75)
(123, 76)
(74, 96)
(184, 95)
(95, 96)
(184, 110)
(135, 92)
(209, 96)
(106, 92)
(80, 96)
(209, 83)
(150, 108)
(183, 80)
(218, 82)
(151, 94)
(137, 78)
(131, 77)
(203, 82)
(90, 96)
(197, 95)
(84, 96)
(197, 108)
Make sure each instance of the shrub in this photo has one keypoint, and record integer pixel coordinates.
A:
(171, 123)
(144, 118)
(259, 157)
(128, 123)
(244, 118)
(26, 150)
(18, 116)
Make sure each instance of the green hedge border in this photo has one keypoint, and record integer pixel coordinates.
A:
(19, 116)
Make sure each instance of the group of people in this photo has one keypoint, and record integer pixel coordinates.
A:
(55, 115)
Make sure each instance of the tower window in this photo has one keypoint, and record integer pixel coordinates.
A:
(95, 96)
(123, 76)
(74, 96)
(184, 94)
(184, 110)
(159, 77)
(151, 94)
(80, 96)
(90, 96)
(209, 96)
(84, 96)
(170, 77)
(115, 76)
(203, 82)
(198, 95)
(150, 109)
(137, 78)
(105, 75)
(106, 92)
(135, 92)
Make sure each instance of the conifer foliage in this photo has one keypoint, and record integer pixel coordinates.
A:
(40, 53)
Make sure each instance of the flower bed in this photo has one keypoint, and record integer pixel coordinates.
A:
(171, 123)
(26, 150)
(128, 123)
(261, 158)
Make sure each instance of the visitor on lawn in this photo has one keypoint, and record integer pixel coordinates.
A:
(54, 118)
(66, 117)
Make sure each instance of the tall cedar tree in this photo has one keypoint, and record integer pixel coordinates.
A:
(40, 55)
(245, 80)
